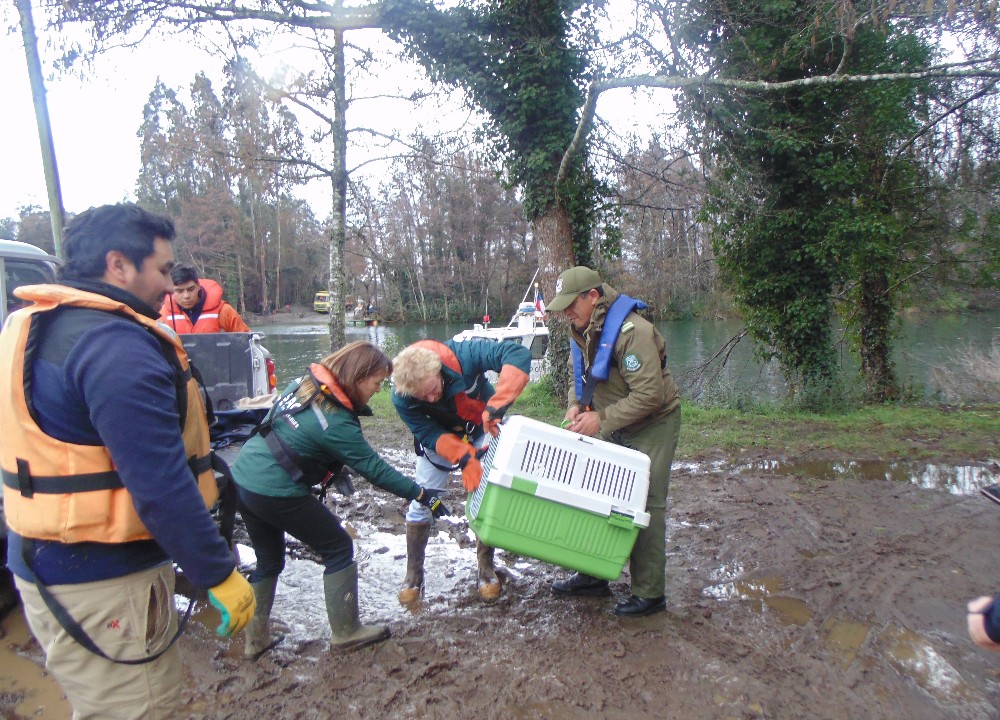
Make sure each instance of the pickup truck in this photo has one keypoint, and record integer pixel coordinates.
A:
(22, 264)
(232, 365)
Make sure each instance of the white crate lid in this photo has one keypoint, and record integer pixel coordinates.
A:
(570, 468)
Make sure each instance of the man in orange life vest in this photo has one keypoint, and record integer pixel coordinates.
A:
(197, 305)
(107, 472)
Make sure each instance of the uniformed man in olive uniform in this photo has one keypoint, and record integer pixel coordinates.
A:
(623, 393)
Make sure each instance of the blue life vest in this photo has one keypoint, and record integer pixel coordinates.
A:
(601, 368)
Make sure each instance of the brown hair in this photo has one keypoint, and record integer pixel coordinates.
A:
(351, 364)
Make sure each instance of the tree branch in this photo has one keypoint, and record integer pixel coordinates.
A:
(985, 68)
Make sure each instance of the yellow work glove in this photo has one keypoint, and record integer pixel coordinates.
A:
(235, 601)
(511, 383)
(457, 451)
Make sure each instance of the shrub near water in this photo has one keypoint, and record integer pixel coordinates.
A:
(971, 376)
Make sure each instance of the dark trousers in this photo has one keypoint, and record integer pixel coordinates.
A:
(303, 517)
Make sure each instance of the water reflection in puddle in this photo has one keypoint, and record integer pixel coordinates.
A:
(913, 655)
(956, 479)
(762, 594)
(844, 638)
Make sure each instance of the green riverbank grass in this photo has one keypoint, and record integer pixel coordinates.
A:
(894, 432)
(886, 432)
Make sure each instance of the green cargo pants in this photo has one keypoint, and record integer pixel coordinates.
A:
(648, 562)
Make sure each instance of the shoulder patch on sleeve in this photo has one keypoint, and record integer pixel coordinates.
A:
(627, 326)
(632, 362)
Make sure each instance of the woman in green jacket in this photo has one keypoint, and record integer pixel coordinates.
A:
(311, 433)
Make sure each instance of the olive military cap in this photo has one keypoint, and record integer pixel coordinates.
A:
(571, 283)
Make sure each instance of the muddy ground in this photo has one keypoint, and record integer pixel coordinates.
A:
(795, 591)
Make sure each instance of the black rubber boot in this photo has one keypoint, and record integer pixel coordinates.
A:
(581, 585)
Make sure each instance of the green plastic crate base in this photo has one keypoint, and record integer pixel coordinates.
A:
(515, 519)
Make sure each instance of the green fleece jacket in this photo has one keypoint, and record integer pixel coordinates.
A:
(329, 435)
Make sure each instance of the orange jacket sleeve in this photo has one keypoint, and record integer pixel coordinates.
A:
(230, 320)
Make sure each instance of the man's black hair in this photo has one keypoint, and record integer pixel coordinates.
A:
(183, 273)
(125, 227)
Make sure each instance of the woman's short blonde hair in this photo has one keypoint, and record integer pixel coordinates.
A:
(412, 368)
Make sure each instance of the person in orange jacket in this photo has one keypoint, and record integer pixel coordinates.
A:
(196, 305)
(108, 476)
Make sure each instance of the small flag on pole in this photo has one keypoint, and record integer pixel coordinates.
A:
(539, 302)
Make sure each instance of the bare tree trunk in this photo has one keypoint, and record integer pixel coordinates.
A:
(56, 212)
(554, 237)
(277, 267)
(419, 292)
(337, 234)
(261, 237)
(240, 283)
(255, 248)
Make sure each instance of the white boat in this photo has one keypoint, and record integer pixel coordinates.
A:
(527, 327)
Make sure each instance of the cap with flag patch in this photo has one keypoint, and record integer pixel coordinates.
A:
(571, 283)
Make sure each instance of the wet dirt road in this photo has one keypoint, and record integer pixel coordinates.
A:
(791, 595)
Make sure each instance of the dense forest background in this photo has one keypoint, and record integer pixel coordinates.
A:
(440, 236)
(815, 162)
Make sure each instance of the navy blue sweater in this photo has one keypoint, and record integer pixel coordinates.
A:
(992, 617)
(108, 383)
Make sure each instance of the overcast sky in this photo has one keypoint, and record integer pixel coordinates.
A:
(95, 119)
(94, 124)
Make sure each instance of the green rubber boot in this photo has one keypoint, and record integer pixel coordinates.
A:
(258, 631)
(341, 590)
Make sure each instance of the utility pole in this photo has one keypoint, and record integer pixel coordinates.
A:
(56, 214)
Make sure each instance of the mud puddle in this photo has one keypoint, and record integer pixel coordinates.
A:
(956, 479)
(787, 598)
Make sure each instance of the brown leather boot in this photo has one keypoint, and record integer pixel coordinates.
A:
(489, 583)
(412, 588)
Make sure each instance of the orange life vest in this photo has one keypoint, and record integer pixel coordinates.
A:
(55, 490)
(209, 320)
(467, 408)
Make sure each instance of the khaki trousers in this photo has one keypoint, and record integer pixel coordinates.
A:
(128, 618)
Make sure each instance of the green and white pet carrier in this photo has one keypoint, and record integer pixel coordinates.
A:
(564, 498)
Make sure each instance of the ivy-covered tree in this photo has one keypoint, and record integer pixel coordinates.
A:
(516, 62)
(808, 196)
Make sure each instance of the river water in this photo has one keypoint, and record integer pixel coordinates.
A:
(922, 345)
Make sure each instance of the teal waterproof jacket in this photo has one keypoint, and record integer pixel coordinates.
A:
(429, 421)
